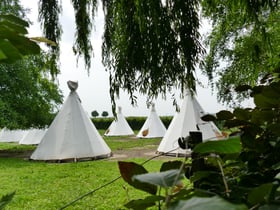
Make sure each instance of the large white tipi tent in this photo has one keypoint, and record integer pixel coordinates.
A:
(186, 120)
(153, 126)
(71, 135)
(119, 127)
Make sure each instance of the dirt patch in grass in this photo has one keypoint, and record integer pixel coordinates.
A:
(146, 152)
(138, 153)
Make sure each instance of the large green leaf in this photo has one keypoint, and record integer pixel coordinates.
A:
(141, 204)
(242, 114)
(170, 165)
(11, 53)
(224, 115)
(262, 101)
(262, 116)
(208, 117)
(274, 128)
(260, 193)
(231, 145)
(164, 179)
(242, 88)
(12, 27)
(212, 203)
(15, 19)
(201, 174)
(13, 44)
(234, 123)
(129, 169)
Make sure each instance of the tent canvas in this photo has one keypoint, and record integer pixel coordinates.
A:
(153, 126)
(33, 136)
(7, 135)
(71, 135)
(186, 120)
(119, 127)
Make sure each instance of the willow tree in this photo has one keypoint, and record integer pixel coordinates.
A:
(149, 46)
(243, 45)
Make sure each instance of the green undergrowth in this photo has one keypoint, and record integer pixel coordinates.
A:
(41, 185)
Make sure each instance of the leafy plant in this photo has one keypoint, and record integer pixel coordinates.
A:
(240, 172)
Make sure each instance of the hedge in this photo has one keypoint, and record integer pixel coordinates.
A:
(135, 122)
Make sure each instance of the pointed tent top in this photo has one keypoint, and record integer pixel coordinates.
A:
(73, 85)
(186, 120)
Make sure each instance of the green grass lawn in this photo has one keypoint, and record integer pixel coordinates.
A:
(41, 185)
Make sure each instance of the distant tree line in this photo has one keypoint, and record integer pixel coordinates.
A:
(96, 114)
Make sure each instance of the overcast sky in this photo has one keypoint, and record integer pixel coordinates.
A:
(94, 88)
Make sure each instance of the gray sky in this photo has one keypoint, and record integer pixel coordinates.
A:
(94, 88)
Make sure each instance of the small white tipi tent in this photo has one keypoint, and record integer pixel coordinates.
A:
(71, 135)
(7, 135)
(119, 127)
(33, 136)
(153, 126)
(186, 120)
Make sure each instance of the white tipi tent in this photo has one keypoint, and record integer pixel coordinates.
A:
(119, 127)
(7, 135)
(33, 136)
(71, 135)
(153, 126)
(186, 120)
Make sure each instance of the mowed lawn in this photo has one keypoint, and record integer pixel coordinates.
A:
(40, 185)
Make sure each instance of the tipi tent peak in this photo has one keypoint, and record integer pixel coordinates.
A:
(187, 119)
(71, 135)
(119, 127)
(153, 126)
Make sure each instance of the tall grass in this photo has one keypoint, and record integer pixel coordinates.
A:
(41, 185)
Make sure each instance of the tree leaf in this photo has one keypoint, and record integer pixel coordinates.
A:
(43, 39)
(262, 101)
(141, 204)
(15, 19)
(200, 175)
(224, 115)
(242, 88)
(234, 123)
(260, 193)
(231, 145)
(130, 169)
(208, 117)
(11, 53)
(212, 203)
(164, 179)
(242, 114)
(170, 165)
